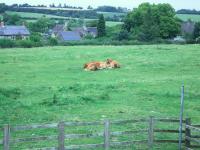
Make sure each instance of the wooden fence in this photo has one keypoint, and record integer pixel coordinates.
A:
(61, 136)
(189, 138)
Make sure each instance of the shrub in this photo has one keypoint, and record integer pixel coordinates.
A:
(36, 39)
(89, 37)
(25, 43)
(6, 43)
(122, 35)
(198, 40)
(53, 41)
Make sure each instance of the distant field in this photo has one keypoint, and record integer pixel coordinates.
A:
(39, 15)
(34, 15)
(111, 14)
(50, 8)
(111, 23)
(185, 17)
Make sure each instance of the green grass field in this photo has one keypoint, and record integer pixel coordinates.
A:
(185, 17)
(48, 84)
(111, 23)
(54, 8)
(111, 14)
(34, 15)
(39, 15)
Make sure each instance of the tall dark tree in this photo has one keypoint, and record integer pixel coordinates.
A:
(196, 30)
(3, 7)
(101, 26)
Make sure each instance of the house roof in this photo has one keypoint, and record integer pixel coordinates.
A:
(58, 28)
(70, 36)
(92, 30)
(14, 30)
(80, 30)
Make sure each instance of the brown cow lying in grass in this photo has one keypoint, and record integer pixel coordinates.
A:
(108, 64)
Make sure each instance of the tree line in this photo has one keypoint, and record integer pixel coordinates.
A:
(188, 11)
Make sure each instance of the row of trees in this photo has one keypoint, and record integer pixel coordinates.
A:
(188, 11)
(64, 6)
(111, 9)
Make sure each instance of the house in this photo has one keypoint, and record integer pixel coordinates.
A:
(13, 32)
(187, 27)
(92, 31)
(57, 29)
(86, 31)
(80, 30)
(76, 33)
(69, 36)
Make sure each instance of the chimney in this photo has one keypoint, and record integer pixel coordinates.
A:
(2, 24)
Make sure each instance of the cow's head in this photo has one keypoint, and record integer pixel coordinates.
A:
(108, 61)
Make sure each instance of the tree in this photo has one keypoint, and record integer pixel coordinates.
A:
(123, 35)
(101, 26)
(59, 6)
(53, 41)
(150, 21)
(89, 7)
(41, 25)
(196, 33)
(149, 29)
(3, 7)
(11, 19)
(74, 23)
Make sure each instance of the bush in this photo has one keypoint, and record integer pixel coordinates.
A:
(36, 39)
(198, 40)
(6, 43)
(53, 41)
(25, 43)
(89, 37)
(122, 35)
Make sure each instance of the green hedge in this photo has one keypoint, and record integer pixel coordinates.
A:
(7, 43)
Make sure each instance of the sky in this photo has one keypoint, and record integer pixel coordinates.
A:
(177, 4)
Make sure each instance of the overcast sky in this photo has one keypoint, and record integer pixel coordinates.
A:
(177, 4)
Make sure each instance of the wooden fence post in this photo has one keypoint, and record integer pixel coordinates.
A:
(106, 135)
(187, 132)
(151, 133)
(61, 136)
(6, 138)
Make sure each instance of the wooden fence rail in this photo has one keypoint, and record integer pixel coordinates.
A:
(106, 134)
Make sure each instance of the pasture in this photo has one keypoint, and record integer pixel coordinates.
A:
(186, 17)
(34, 15)
(111, 14)
(48, 84)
